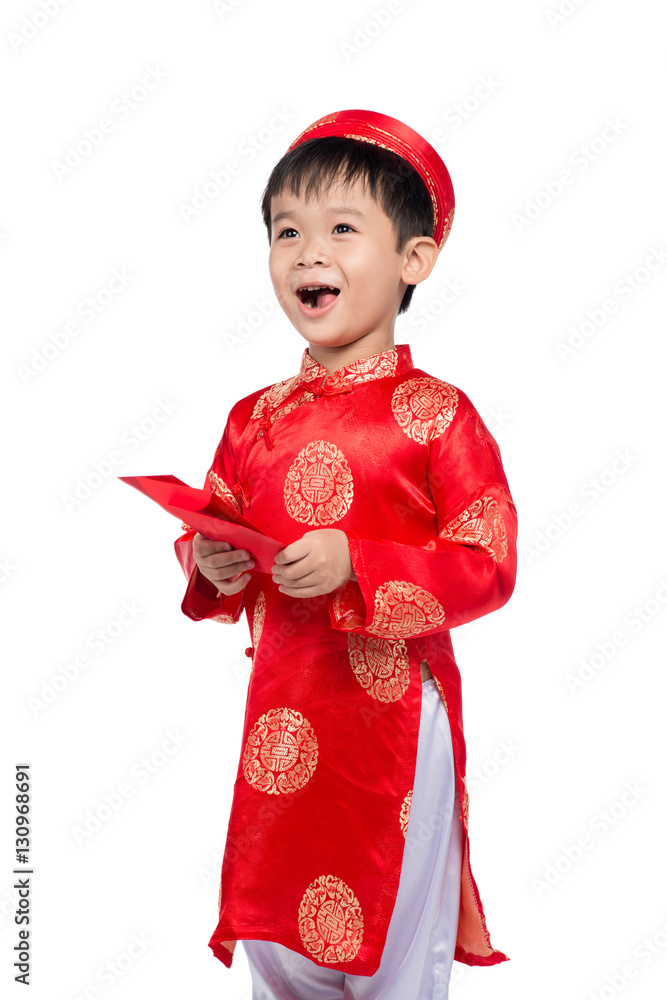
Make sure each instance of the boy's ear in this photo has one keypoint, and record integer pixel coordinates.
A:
(419, 257)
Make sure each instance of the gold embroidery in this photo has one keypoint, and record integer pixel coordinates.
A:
(480, 524)
(405, 813)
(464, 803)
(442, 693)
(226, 617)
(331, 924)
(221, 488)
(273, 396)
(424, 407)
(318, 487)
(362, 370)
(381, 667)
(280, 754)
(402, 609)
(258, 616)
(186, 527)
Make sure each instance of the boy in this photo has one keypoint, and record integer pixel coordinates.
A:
(346, 868)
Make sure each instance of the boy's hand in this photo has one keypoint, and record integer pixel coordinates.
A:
(222, 564)
(316, 563)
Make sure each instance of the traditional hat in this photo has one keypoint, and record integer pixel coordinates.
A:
(369, 126)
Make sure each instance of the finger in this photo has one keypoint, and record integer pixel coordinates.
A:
(227, 560)
(302, 592)
(205, 546)
(295, 550)
(227, 589)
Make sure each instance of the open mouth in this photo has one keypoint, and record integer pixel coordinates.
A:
(317, 296)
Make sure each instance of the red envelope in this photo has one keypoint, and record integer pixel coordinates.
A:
(210, 515)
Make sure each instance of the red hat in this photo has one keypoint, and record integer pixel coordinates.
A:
(369, 126)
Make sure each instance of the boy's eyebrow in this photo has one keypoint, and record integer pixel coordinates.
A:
(333, 210)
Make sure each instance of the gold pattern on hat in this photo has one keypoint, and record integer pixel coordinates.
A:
(480, 524)
(382, 667)
(424, 407)
(331, 924)
(318, 487)
(403, 609)
(280, 753)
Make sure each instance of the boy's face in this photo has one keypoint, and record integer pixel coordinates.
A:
(343, 240)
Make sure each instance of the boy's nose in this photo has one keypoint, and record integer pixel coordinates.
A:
(314, 255)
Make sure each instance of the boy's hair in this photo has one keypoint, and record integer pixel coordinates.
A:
(391, 181)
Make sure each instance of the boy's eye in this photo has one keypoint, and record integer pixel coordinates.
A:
(289, 232)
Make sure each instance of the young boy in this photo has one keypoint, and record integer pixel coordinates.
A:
(346, 869)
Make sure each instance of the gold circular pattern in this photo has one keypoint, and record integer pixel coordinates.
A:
(424, 407)
(221, 488)
(331, 924)
(280, 754)
(480, 524)
(258, 616)
(403, 609)
(381, 666)
(405, 813)
(318, 487)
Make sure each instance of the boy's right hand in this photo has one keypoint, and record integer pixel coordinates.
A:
(221, 564)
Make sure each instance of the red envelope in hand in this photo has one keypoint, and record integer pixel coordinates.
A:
(209, 514)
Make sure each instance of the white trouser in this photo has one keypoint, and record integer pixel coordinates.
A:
(419, 950)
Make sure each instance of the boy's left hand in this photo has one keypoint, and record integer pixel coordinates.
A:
(316, 563)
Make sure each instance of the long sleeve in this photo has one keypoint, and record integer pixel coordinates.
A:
(465, 571)
(201, 600)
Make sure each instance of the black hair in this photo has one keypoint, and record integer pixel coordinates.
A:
(392, 182)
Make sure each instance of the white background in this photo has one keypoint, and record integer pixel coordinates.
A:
(511, 96)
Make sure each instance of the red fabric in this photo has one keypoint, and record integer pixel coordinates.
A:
(392, 134)
(403, 464)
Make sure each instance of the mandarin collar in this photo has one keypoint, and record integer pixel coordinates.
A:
(394, 361)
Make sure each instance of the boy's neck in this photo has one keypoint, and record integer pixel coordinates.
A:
(333, 358)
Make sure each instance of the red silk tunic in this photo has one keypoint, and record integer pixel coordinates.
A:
(403, 464)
